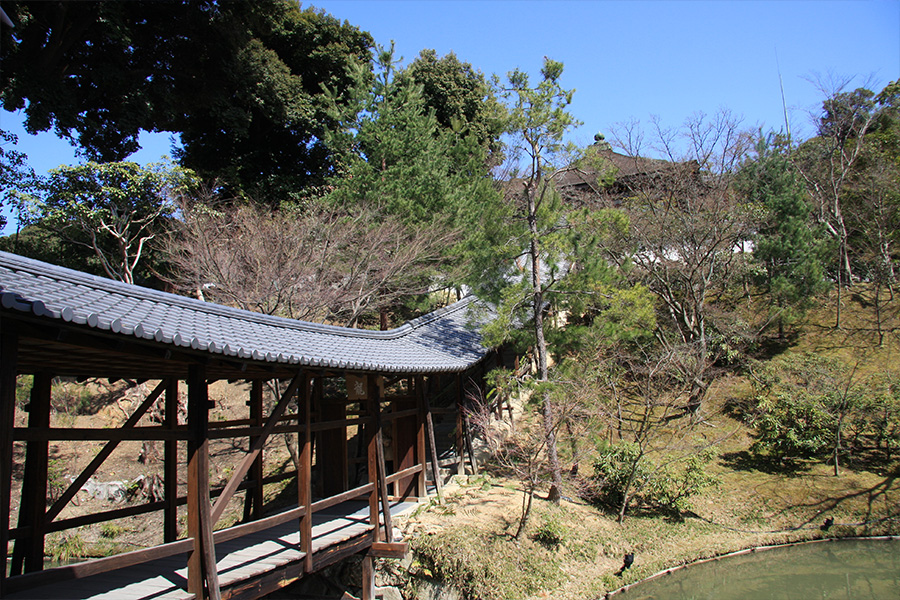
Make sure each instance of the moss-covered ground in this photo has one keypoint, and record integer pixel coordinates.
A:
(575, 550)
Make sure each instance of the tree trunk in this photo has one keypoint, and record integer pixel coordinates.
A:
(527, 502)
(541, 347)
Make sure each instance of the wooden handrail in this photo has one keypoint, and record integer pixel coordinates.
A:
(224, 535)
(97, 566)
(348, 495)
(404, 473)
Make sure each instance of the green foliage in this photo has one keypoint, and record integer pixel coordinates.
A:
(56, 477)
(809, 406)
(399, 162)
(460, 98)
(23, 389)
(551, 532)
(241, 82)
(622, 468)
(38, 243)
(16, 177)
(484, 567)
(790, 247)
(111, 209)
(71, 399)
(111, 531)
(65, 548)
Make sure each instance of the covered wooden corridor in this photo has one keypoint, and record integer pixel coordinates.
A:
(255, 562)
(341, 392)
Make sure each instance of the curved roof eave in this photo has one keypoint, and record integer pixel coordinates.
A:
(446, 340)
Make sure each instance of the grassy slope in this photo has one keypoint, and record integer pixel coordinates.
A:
(469, 539)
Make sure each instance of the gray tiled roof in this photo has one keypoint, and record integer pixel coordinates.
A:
(443, 341)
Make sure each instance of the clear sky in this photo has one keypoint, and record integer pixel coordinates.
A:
(626, 60)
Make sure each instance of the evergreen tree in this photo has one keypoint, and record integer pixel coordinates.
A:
(788, 245)
(399, 163)
(552, 282)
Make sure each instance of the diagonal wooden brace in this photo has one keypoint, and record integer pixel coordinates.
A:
(255, 449)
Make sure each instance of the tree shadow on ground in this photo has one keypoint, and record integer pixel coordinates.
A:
(747, 461)
(875, 497)
(769, 347)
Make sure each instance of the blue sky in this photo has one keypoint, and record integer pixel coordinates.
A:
(626, 60)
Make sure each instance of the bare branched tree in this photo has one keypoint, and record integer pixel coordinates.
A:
(687, 233)
(827, 161)
(317, 264)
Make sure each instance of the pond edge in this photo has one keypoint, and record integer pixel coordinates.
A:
(751, 550)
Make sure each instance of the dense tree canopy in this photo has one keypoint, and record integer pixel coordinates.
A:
(460, 97)
(241, 82)
(401, 163)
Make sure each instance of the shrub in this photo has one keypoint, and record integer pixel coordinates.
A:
(667, 488)
(484, 566)
(66, 548)
(809, 406)
(550, 533)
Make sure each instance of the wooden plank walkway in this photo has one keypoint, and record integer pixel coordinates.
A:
(237, 560)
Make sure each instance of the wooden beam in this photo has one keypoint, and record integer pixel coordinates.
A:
(389, 549)
(104, 453)
(421, 457)
(244, 466)
(97, 566)
(203, 580)
(331, 448)
(8, 353)
(170, 465)
(381, 469)
(432, 446)
(81, 434)
(32, 510)
(304, 476)
(254, 498)
(368, 578)
(460, 428)
(372, 439)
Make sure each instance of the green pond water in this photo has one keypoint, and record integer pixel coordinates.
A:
(845, 570)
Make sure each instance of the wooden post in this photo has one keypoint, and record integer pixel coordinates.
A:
(405, 441)
(368, 578)
(331, 449)
(304, 475)
(8, 358)
(421, 457)
(381, 470)
(203, 579)
(460, 428)
(254, 498)
(32, 510)
(170, 465)
(435, 459)
(373, 439)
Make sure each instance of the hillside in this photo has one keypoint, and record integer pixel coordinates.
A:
(574, 550)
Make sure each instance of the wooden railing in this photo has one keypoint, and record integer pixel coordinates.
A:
(277, 421)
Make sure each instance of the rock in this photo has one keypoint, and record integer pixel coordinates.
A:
(388, 593)
(427, 590)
